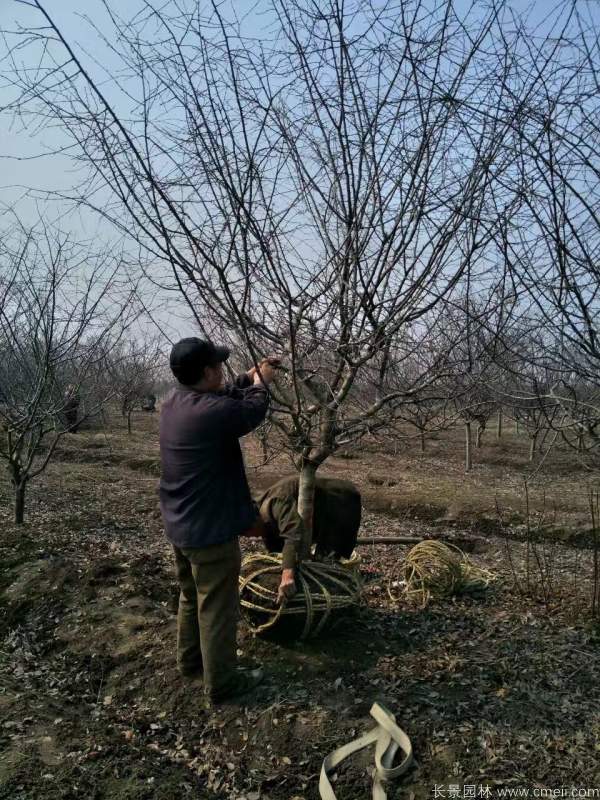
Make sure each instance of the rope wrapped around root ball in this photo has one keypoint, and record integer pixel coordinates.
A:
(437, 569)
(323, 587)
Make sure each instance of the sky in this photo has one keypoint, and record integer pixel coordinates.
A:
(20, 167)
(30, 167)
(26, 175)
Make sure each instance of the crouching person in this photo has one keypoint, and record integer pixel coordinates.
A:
(336, 521)
(206, 504)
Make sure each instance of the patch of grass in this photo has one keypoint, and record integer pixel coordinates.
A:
(144, 464)
(380, 480)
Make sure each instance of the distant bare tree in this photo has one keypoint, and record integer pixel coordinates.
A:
(61, 311)
(131, 370)
(577, 416)
(479, 329)
(416, 368)
(536, 412)
(426, 415)
(546, 389)
(552, 240)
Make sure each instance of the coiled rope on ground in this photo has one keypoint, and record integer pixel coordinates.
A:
(432, 569)
(437, 569)
(323, 587)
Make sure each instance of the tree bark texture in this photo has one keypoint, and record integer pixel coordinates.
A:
(468, 448)
(532, 444)
(20, 502)
(306, 505)
(480, 431)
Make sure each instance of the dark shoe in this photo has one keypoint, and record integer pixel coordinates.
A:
(243, 682)
(191, 673)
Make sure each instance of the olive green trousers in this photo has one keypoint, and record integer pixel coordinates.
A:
(208, 613)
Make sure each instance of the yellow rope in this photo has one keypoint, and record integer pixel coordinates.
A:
(438, 569)
(323, 586)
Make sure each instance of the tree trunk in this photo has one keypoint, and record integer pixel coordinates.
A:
(499, 425)
(480, 430)
(544, 437)
(422, 441)
(532, 443)
(306, 505)
(262, 438)
(129, 421)
(518, 427)
(20, 502)
(468, 459)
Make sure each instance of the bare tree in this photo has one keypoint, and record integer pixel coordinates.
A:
(536, 412)
(131, 370)
(416, 368)
(314, 192)
(479, 329)
(552, 240)
(547, 390)
(61, 310)
(577, 415)
(426, 415)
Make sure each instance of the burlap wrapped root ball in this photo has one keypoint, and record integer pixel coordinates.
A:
(434, 569)
(325, 588)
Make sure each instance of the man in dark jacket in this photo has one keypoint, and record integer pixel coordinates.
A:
(206, 504)
(336, 520)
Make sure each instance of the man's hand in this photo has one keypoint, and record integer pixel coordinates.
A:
(266, 366)
(267, 370)
(287, 587)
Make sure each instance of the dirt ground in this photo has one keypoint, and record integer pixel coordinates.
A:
(499, 689)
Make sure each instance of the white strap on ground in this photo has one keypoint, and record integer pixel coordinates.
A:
(388, 739)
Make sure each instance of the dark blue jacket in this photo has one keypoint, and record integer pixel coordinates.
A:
(204, 494)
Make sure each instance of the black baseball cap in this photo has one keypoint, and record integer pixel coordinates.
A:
(190, 356)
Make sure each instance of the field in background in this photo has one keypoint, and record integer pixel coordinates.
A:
(397, 479)
(498, 690)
